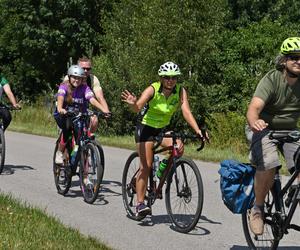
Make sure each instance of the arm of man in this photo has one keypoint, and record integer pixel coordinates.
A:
(10, 95)
(254, 109)
(100, 98)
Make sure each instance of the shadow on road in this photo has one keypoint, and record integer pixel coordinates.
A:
(10, 169)
(237, 247)
(105, 191)
(164, 219)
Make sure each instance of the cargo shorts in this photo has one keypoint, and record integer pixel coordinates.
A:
(264, 152)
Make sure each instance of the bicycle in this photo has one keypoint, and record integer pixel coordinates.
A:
(88, 163)
(2, 137)
(183, 185)
(280, 204)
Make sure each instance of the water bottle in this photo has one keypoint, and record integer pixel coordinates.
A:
(155, 165)
(74, 153)
(162, 166)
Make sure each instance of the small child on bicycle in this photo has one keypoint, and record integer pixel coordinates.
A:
(76, 95)
(159, 102)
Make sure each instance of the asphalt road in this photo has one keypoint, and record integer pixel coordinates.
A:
(28, 176)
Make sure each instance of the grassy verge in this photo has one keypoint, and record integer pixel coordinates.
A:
(40, 122)
(25, 227)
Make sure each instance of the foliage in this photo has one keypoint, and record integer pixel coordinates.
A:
(222, 47)
(38, 37)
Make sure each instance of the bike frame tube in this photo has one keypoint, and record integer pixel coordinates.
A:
(295, 202)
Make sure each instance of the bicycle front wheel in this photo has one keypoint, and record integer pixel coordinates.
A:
(267, 239)
(91, 172)
(129, 185)
(184, 195)
(62, 177)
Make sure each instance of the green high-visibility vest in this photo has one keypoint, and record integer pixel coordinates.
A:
(160, 109)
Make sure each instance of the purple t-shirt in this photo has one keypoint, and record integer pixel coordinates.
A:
(80, 96)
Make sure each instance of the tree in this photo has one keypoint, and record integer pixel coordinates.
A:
(38, 37)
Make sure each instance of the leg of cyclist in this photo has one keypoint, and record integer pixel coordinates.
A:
(6, 117)
(64, 124)
(93, 124)
(264, 156)
(146, 157)
(144, 136)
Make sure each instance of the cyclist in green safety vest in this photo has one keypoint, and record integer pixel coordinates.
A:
(157, 104)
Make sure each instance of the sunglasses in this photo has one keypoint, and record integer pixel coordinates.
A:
(294, 57)
(170, 77)
(87, 69)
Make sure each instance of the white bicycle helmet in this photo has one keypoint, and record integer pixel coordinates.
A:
(76, 70)
(169, 69)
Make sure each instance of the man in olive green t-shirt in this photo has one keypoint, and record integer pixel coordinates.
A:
(275, 106)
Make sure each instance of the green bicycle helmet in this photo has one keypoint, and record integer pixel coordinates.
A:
(76, 70)
(169, 69)
(290, 45)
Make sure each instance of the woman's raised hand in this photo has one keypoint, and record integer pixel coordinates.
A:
(128, 97)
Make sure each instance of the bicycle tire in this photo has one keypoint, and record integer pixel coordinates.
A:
(186, 176)
(2, 150)
(90, 159)
(267, 239)
(131, 168)
(101, 152)
(62, 177)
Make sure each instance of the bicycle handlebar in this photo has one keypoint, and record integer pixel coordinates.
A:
(178, 135)
(77, 114)
(285, 136)
(9, 107)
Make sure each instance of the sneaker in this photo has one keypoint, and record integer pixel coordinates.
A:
(256, 221)
(87, 182)
(59, 157)
(142, 210)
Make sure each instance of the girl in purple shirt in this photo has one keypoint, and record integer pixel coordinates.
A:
(72, 93)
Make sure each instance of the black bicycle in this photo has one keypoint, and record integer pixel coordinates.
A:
(2, 137)
(280, 204)
(184, 187)
(88, 163)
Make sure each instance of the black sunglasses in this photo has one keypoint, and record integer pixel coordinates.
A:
(170, 77)
(294, 57)
(87, 69)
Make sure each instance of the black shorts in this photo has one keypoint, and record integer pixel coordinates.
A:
(145, 133)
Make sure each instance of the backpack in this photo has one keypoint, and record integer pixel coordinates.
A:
(237, 185)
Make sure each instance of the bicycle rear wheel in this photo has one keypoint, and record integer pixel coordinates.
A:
(62, 176)
(267, 239)
(184, 195)
(2, 150)
(90, 173)
(129, 185)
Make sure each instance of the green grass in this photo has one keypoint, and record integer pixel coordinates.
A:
(26, 227)
(40, 121)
